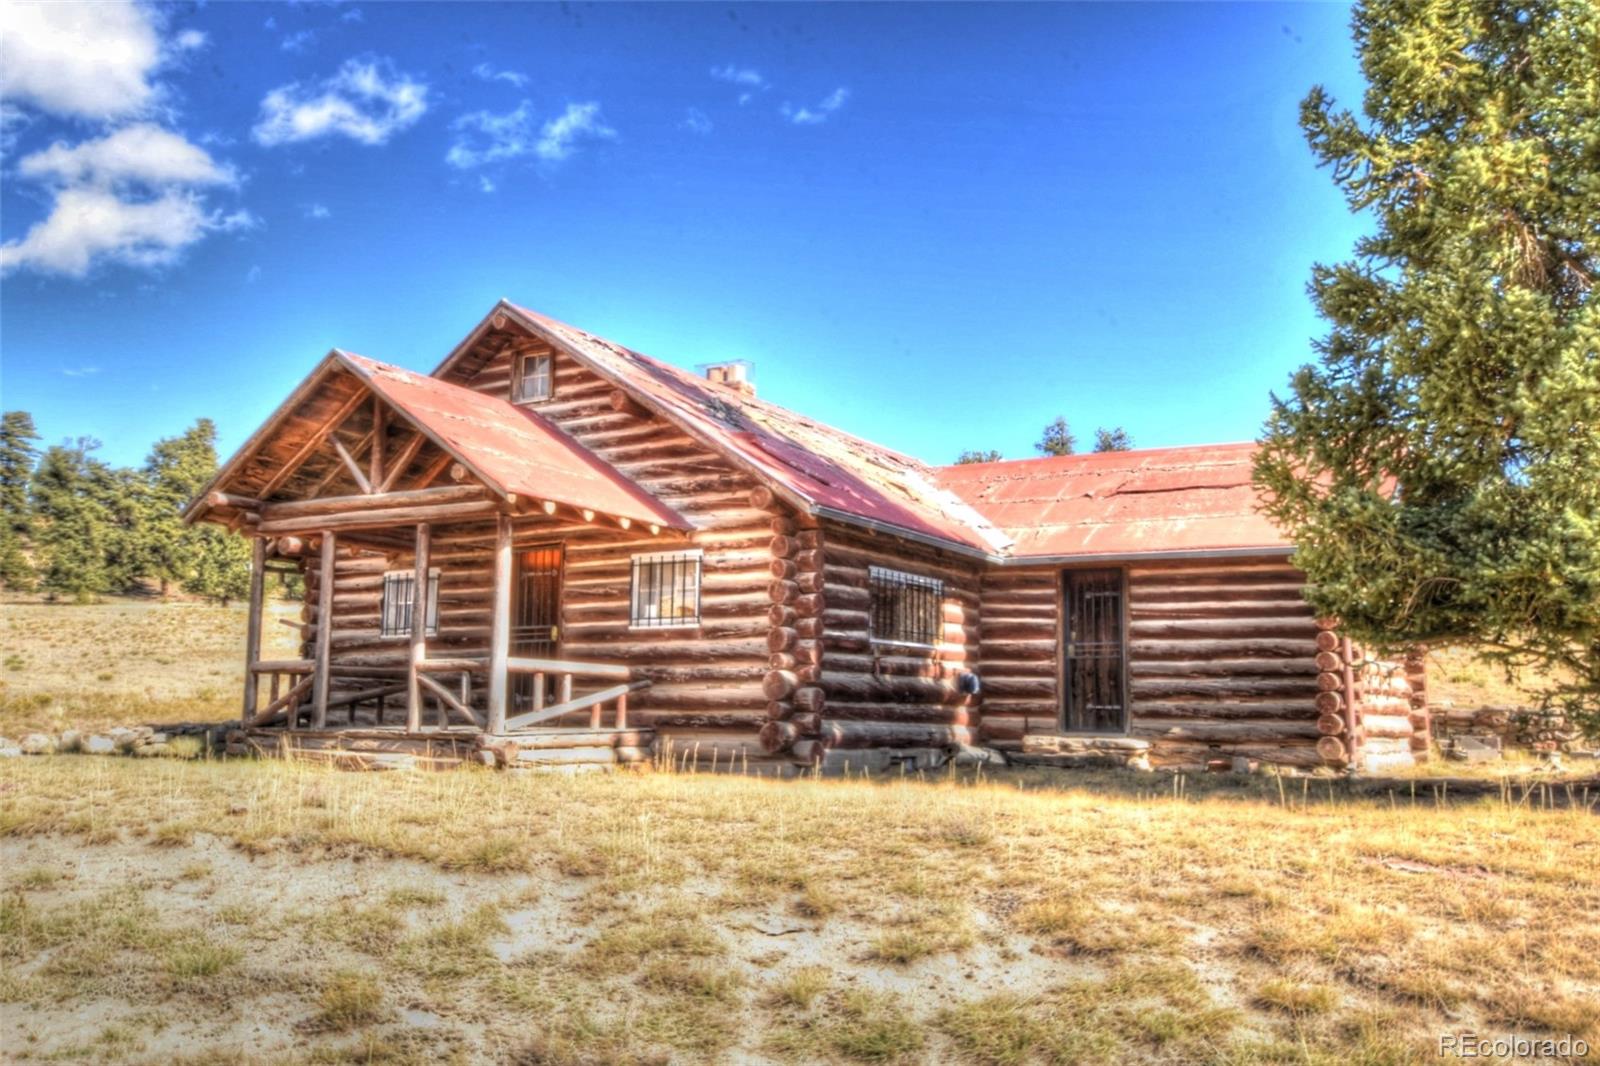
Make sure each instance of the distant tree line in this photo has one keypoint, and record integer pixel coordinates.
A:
(77, 527)
(1058, 439)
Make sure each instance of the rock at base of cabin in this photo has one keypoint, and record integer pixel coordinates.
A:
(1243, 765)
(38, 744)
(69, 740)
(388, 761)
(151, 751)
(9, 748)
(97, 745)
(1077, 760)
(968, 756)
(1140, 761)
(237, 751)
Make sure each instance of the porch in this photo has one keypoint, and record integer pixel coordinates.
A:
(431, 525)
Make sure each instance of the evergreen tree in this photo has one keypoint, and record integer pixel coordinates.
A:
(176, 470)
(71, 533)
(219, 566)
(17, 458)
(1112, 440)
(1057, 439)
(1439, 467)
(975, 456)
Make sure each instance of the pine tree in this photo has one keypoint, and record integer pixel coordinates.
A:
(220, 565)
(1057, 439)
(1112, 440)
(176, 470)
(71, 531)
(1439, 467)
(975, 456)
(17, 458)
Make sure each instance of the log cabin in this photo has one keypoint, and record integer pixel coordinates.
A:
(555, 550)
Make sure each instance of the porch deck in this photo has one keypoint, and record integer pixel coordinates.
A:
(394, 747)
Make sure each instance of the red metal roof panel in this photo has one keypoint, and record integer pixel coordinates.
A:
(1122, 503)
(511, 447)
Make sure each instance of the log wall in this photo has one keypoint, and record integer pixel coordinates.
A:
(707, 683)
(833, 688)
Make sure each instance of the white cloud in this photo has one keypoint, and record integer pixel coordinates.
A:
(578, 122)
(696, 121)
(80, 371)
(139, 153)
(805, 116)
(132, 196)
(190, 40)
(80, 60)
(253, 275)
(318, 211)
(739, 76)
(484, 137)
(487, 72)
(352, 15)
(89, 224)
(299, 41)
(485, 184)
(367, 100)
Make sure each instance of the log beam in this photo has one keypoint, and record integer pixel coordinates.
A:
(419, 631)
(325, 583)
(252, 632)
(500, 636)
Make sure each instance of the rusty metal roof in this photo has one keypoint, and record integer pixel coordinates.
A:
(815, 462)
(1113, 504)
(510, 448)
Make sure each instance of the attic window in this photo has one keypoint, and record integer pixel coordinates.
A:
(534, 379)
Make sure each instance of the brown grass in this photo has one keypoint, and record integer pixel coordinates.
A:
(202, 912)
(125, 662)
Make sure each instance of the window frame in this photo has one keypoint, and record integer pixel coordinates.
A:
(881, 576)
(519, 374)
(636, 562)
(395, 577)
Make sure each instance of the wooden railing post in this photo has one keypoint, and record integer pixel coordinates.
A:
(319, 718)
(622, 711)
(252, 627)
(419, 630)
(500, 632)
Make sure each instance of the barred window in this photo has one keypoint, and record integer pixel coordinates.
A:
(534, 379)
(399, 595)
(666, 590)
(905, 607)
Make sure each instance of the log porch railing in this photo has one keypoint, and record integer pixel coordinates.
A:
(419, 676)
(289, 681)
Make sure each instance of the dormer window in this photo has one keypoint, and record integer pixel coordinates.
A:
(534, 378)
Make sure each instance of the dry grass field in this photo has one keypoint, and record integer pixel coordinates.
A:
(157, 911)
(125, 662)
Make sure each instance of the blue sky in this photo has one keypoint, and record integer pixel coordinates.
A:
(935, 226)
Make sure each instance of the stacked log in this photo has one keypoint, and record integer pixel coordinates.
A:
(869, 694)
(1383, 700)
(1226, 661)
(1018, 643)
(1416, 668)
(795, 700)
(705, 682)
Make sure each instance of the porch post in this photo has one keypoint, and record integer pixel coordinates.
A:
(500, 638)
(419, 631)
(252, 628)
(319, 718)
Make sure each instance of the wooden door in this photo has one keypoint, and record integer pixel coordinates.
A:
(1094, 681)
(535, 612)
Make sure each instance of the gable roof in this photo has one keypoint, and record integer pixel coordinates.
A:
(511, 450)
(824, 470)
(1113, 504)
